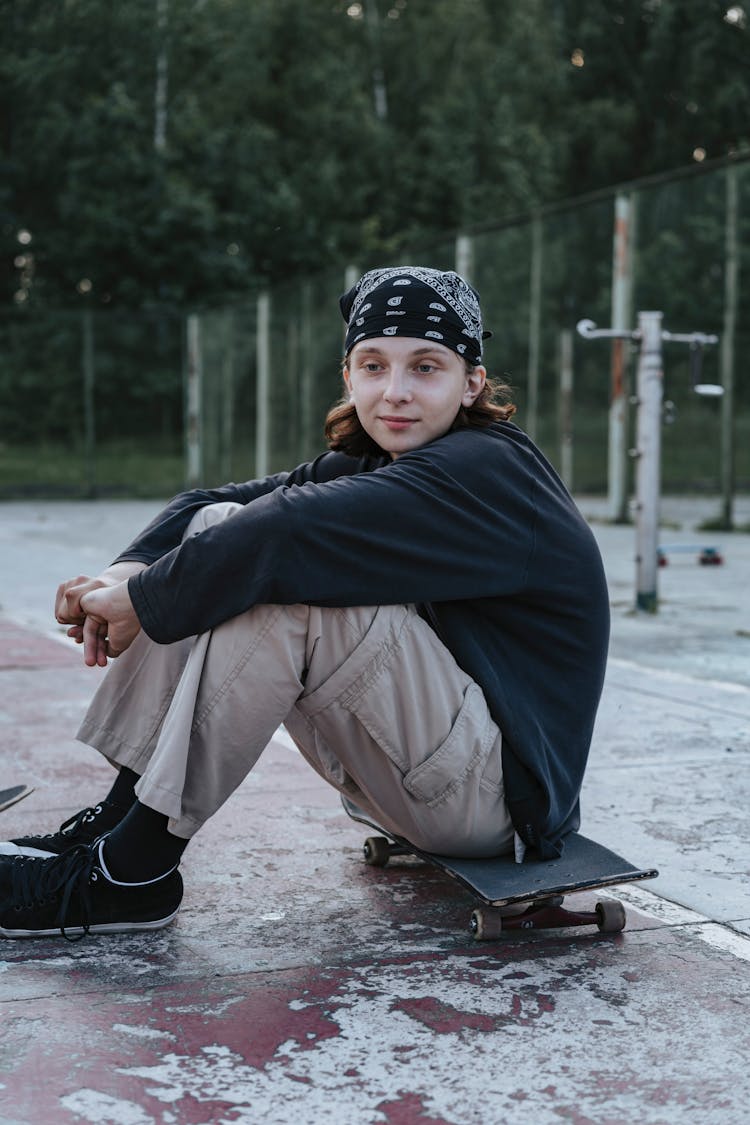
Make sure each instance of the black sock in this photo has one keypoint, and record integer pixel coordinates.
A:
(122, 792)
(141, 847)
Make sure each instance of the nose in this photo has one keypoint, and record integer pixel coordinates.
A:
(397, 388)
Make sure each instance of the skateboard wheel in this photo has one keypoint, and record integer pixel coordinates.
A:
(377, 851)
(610, 916)
(486, 924)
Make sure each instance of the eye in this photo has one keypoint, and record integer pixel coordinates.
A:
(425, 368)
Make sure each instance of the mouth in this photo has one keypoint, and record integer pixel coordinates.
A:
(397, 422)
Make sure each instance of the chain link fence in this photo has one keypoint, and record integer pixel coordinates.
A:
(109, 403)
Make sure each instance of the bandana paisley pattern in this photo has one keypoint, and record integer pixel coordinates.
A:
(434, 304)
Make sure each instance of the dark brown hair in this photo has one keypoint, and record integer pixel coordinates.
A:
(344, 431)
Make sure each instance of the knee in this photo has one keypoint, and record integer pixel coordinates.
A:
(349, 625)
(209, 515)
(359, 618)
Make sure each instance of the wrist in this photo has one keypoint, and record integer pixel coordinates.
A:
(122, 571)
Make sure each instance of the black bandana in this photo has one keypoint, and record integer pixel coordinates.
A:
(415, 301)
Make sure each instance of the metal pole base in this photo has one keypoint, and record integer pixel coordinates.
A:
(647, 603)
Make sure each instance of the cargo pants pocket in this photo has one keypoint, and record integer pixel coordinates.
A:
(438, 775)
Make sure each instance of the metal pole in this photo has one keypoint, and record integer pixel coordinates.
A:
(622, 296)
(648, 463)
(535, 324)
(306, 374)
(379, 92)
(161, 89)
(465, 256)
(351, 277)
(263, 385)
(648, 437)
(566, 407)
(89, 417)
(726, 355)
(227, 397)
(193, 403)
(291, 382)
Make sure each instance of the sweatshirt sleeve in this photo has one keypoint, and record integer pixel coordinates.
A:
(166, 530)
(425, 527)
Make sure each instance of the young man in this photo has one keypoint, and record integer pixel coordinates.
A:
(423, 607)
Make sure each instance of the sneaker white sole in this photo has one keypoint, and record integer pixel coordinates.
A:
(102, 928)
(7, 848)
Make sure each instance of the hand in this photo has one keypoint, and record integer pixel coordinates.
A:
(111, 624)
(68, 609)
(68, 599)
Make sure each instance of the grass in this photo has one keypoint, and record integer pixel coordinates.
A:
(152, 467)
(118, 469)
(721, 525)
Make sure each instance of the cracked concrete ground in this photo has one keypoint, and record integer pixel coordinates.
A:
(300, 985)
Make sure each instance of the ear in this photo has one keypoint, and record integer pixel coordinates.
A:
(474, 385)
(347, 381)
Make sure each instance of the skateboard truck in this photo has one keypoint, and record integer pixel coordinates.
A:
(488, 922)
(527, 896)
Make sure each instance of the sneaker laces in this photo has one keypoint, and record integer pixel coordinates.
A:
(73, 823)
(36, 882)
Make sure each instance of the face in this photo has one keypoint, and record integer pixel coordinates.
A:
(408, 391)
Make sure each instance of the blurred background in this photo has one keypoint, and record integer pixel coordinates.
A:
(188, 185)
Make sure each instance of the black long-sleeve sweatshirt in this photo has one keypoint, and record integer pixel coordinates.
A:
(476, 528)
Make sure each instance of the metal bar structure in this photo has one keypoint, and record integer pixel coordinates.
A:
(227, 396)
(649, 394)
(648, 401)
(726, 355)
(263, 386)
(351, 276)
(307, 373)
(89, 414)
(193, 403)
(565, 408)
(535, 327)
(161, 89)
(464, 255)
(622, 297)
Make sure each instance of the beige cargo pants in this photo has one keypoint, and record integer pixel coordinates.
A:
(372, 698)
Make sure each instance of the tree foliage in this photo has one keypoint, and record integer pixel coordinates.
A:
(663, 82)
(300, 133)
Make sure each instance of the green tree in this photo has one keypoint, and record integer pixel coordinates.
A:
(652, 85)
(275, 159)
(300, 133)
(473, 137)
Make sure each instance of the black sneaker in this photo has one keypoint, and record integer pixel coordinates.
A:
(73, 894)
(83, 828)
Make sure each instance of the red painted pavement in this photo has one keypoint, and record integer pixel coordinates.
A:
(299, 985)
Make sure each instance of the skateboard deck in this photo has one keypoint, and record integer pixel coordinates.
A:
(9, 797)
(526, 895)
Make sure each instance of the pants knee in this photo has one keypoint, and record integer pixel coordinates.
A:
(211, 514)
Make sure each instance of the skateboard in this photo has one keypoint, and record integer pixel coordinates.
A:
(521, 896)
(9, 797)
(707, 556)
